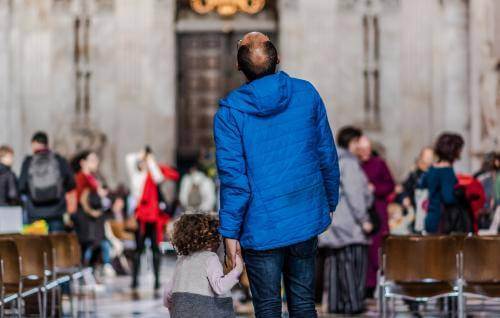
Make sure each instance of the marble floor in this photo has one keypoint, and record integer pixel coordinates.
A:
(117, 300)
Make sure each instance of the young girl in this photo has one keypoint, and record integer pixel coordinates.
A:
(199, 287)
(399, 223)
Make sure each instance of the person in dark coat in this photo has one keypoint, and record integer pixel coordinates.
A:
(441, 180)
(9, 194)
(45, 179)
(382, 185)
(424, 161)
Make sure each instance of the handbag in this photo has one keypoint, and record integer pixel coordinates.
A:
(374, 219)
(163, 205)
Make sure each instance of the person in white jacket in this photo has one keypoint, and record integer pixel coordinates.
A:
(197, 192)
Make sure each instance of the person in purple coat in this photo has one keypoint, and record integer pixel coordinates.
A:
(382, 185)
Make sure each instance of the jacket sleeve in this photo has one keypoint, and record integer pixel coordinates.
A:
(234, 187)
(356, 192)
(23, 177)
(12, 189)
(384, 185)
(327, 155)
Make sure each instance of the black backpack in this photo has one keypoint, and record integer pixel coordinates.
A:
(457, 218)
(45, 180)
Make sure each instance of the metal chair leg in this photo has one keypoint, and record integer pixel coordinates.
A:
(19, 306)
(45, 303)
(384, 305)
(461, 304)
(94, 301)
(71, 300)
(40, 304)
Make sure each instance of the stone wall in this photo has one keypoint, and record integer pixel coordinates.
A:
(424, 67)
(115, 89)
(130, 62)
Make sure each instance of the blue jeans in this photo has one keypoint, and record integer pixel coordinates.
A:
(105, 252)
(296, 263)
(55, 224)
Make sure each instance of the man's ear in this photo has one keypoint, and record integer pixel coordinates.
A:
(278, 60)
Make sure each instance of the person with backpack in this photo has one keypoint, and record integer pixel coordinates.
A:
(9, 193)
(446, 212)
(146, 176)
(45, 179)
(197, 192)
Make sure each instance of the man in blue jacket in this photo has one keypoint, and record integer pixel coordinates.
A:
(279, 176)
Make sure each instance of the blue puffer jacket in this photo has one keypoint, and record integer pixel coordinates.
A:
(277, 163)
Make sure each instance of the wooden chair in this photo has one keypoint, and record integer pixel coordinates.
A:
(71, 265)
(10, 274)
(481, 267)
(67, 260)
(36, 263)
(24, 282)
(418, 268)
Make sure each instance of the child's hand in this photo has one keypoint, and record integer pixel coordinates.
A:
(239, 264)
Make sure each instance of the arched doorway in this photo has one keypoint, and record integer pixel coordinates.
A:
(206, 71)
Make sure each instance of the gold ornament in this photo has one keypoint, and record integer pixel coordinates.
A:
(227, 8)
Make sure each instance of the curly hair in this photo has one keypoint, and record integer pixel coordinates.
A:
(195, 232)
(448, 147)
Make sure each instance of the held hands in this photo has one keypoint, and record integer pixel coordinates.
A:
(233, 250)
(238, 264)
(367, 227)
(371, 187)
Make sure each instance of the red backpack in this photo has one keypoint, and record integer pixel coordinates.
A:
(474, 192)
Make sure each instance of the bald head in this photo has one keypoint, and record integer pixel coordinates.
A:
(364, 148)
(257, 56)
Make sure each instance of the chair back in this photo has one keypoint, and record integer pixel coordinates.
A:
(76, 251)
(34, 254)
(412, 259)
(10, 258)
(481, 259)
(65, 254)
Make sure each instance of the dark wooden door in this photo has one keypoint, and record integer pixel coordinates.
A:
(206, 72)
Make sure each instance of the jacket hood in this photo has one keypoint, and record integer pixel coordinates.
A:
(265, 96)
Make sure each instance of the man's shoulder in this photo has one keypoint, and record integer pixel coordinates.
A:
(60, 158)
(299, 85)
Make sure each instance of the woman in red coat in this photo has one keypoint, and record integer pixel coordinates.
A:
(382, 185)
(146, 175)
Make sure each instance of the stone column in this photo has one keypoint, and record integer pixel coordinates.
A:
(419, 22)
(456, 97)
(307, 45)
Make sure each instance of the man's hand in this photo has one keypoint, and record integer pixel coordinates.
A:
(239, 264)
(367, 227)
(371, 187)
(233, 248)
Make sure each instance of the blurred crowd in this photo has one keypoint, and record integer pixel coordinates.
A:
(115, 226)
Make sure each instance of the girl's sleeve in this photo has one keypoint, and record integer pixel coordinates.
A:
(221, 284)
(167, 295)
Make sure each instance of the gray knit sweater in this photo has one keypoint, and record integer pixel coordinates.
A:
(200, 289)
